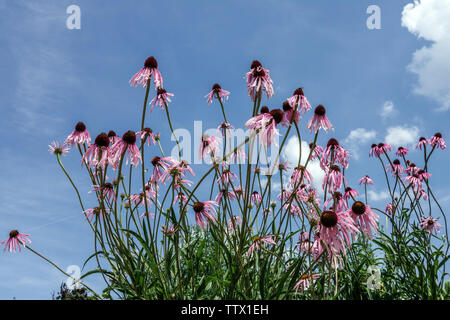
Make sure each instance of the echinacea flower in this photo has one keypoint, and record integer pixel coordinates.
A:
(336, 230)
(438, 141)
(15, 240)
(255, 198)
(218, 93)
(389, 209)
(146, 134)
(266, 126)
(98, 153)
(233, 223)
(96, 212)
(150, 68)
(105, 190)
(429, 224)
(58, 148)
(396, 168)
(334, 152)
(226, 177)
(364, 218)
(161, 99)
(258, 79)
(258, 241)
(319, 120)
(350, 193)
(225, 129)
(383, 148)
(401, 152)
(299, 100)
(79, 136)
(204, 213)
(126, 145)
(305, 282)
(113, 138)
(333, 179)
(160, 166)
(299, 175)
(422, 143)
(316, 152)
(338, 200)
(224, 193)
(168, 231)
(146, 214)
(290, 115)
(209, 146)
(415, 181)
(365, 180)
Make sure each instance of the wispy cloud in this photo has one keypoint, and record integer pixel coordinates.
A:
(402, 135)
(357, 138)
(428, 19)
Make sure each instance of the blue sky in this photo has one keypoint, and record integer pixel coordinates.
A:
(52, 77)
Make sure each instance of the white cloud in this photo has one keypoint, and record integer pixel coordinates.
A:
(356, 138)
(429, 19)
(402, 136)
(291, 154)
(377, 196)
(388, 110)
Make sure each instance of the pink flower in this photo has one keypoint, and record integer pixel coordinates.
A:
(290, 115)
(168, 231)
(316, 152)
(113, 138)
(319, 120)
(181, 198)
(396, 168)
(284, 165)
(258, 241)
(299, 100)
(339, 203)
(233, 223)
(150, 68)
(300, 175)
(161, 99)
(225, 129)
(58, 148)
(336, 230)
(160, 166)
(226, 177)
(80, 135)
(350, 193)
(224, 193)
(105, 190)
(334, 178)
(255, 198)
(401, 152)
(95, 212)
(126, 144)
(389, 209)
(422, 143)
(266, 125)
(438, 141)
(334, 152)
(365, 218)
(366, 180)
(146, 135)
(98, 153)
(149, 214)
(258, 79)
(209, 146)
(217, 91)
(383, 148)
(415, 181)
(429, 224)
(15, 240)
(204, 213)
(305, 282)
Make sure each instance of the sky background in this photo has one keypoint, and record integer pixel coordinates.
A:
(391, 85)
